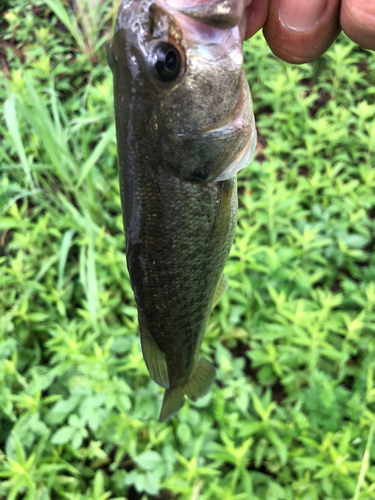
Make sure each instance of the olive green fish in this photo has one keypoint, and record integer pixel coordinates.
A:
(185, 127)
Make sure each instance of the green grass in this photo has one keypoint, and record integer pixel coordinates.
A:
(292, 415)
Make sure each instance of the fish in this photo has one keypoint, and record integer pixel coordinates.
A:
(184, 127)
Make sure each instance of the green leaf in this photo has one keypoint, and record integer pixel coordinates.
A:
(66, 406)
(148, 460)
(63, 435)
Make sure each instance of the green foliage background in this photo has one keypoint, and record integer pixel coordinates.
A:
(292, 415)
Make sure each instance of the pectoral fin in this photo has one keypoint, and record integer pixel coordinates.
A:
(155, 359)
(221, 288)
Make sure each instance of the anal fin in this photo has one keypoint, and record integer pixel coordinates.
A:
(155, 359)
(201, 379)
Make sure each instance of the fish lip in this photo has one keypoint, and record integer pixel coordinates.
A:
(235, 126)
(244, 157)
(242, 124)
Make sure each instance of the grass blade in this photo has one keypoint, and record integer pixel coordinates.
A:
(65, 245)
(92, 283)
(365, 463)
(13, 127)
(107, 137)
(68, 21)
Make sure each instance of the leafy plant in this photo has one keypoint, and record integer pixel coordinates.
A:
(292, 415)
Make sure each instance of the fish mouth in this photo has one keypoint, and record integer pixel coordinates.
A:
(240, 135)
(244, 157)
(242, 128)
(215, 155)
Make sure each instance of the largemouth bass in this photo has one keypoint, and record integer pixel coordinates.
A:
(185, 127)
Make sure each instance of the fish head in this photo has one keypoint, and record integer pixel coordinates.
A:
(185, 60)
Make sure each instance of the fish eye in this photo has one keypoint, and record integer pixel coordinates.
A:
(168, 62)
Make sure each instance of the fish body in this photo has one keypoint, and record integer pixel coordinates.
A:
(184, 127)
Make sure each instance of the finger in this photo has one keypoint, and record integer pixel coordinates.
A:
(256, 17)
(358, 21)
(299, 31)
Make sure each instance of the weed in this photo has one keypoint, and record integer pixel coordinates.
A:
(292, 415)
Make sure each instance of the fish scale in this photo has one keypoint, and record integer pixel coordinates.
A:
(180, 142)
(181, 264)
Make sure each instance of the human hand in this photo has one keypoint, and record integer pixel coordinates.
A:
(299, 31)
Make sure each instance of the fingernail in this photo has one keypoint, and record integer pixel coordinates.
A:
(301, 15)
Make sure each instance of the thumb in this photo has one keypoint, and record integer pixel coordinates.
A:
(301, 31)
